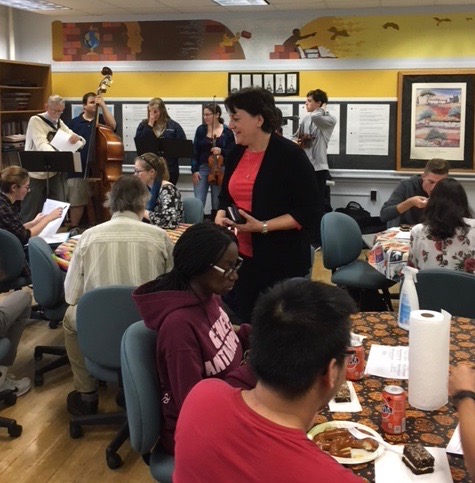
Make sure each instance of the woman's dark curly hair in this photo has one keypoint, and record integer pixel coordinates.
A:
(446, 209)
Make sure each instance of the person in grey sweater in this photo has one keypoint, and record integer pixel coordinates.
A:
(313, 136)
(408, 200)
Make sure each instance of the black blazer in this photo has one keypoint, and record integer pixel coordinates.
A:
(284, 184)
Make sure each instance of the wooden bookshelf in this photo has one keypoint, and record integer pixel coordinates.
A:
(24, 90)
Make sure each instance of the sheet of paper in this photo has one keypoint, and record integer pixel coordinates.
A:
(403, 235)
(353, 406)
(389, 468)
(53, 226)
(61, 142)
(54, 239)
(390, 362)
(455, 444)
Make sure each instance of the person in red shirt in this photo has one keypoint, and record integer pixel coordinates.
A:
(300, 333)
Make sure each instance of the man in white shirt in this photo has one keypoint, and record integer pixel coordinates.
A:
(39, 134)
(121, 251)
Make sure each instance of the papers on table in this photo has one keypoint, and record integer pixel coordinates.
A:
(455, 444)
(390, 362)
(353, 406)
(55, 239)
(389, 468)
(53, 226)
(61, 142)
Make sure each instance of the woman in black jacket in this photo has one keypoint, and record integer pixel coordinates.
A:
(272, 182)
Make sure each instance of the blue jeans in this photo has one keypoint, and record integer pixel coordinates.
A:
(201, 189)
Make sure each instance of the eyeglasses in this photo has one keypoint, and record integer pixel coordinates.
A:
(229, 271)
(137, 171)
(56, 111)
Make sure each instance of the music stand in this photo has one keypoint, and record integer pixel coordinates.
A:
(58, 161)
(168, 148)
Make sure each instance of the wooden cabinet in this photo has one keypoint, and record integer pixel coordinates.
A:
(24, 90)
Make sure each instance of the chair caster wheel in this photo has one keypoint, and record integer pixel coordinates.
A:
(38, 355)
(38, 380)
(114, 461)
(15, 430)
(53, 325)
(10, 400)
(75, 431)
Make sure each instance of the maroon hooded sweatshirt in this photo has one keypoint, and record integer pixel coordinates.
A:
(196, 341)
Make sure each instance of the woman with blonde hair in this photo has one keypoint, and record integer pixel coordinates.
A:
(165, 207)
(159, 125)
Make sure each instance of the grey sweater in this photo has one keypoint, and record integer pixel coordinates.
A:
(319, 124)
(406, 189)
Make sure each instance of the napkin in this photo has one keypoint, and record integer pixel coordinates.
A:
(389, 468)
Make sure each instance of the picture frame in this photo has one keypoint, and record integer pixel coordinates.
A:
(279, 83)
(435, 119)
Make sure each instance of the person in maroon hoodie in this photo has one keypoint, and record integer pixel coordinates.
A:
(196, 339)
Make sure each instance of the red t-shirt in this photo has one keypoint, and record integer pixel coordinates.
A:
(220, 439)
(240, 188)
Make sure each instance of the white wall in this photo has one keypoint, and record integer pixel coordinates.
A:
(3, 32)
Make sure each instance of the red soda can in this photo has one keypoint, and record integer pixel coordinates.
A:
(393, 410)
(355, 362)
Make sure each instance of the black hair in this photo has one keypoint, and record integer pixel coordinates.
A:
(201, 246)
(86, 96)
(215, 109)
(298, 327)
(446, 208)
(256, 101)
(318, 96)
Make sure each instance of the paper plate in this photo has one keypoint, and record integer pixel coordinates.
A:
(358, 455)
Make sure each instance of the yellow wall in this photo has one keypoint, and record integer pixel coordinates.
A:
(129, 85)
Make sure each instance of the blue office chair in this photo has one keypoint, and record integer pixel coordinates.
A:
(48, 291)
(103, 315)
(341, 247)
(451, 290)
(8, 397)
(142, 395)
(193, 210)
(12, 263)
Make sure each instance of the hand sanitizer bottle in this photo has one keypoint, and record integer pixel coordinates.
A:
(408, 300)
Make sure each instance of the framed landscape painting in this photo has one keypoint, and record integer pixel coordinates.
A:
(435, 119)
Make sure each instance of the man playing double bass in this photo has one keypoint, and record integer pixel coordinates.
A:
(78, 187)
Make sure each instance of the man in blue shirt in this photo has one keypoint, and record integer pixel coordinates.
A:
(78, 188)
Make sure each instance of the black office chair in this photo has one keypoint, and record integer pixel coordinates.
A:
(451, 290)
(103, 315)
(341, 247)
(8, 397)
(12, 263)
(193, 210)
(48, 290)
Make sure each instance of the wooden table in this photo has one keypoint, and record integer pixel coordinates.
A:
(430, 428)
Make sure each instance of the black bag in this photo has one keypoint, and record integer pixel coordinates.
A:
(366, 222)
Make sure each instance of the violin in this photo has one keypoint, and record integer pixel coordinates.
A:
(215, 161)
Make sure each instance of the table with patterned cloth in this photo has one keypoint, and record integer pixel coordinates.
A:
(389, 252)
(64, 252)
(430, 428)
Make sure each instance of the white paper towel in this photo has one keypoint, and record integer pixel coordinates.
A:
(429, 340)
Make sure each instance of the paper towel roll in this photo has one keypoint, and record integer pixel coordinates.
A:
(429, 340)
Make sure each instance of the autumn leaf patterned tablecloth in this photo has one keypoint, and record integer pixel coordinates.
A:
(430, 428)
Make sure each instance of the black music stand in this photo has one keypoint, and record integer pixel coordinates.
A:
(168, 148)
(58, 161)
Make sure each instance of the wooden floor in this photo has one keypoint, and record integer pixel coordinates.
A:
(45, 452)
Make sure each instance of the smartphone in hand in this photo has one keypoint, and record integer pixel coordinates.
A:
(234, 214)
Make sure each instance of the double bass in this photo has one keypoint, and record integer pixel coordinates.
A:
(105, 155)
(215, 161)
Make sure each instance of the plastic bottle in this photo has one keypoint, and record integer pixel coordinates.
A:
(408, 300)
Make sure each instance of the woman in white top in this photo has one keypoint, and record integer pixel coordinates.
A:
(446, 238)
(165, 208)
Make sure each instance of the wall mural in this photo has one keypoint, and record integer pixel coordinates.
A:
(153, 40)
(346, 38)
(380, 38)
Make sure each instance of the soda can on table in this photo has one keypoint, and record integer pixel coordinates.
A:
(355, 361)
(393, 410)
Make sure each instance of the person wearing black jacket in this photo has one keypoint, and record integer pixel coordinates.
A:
(271, 181)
